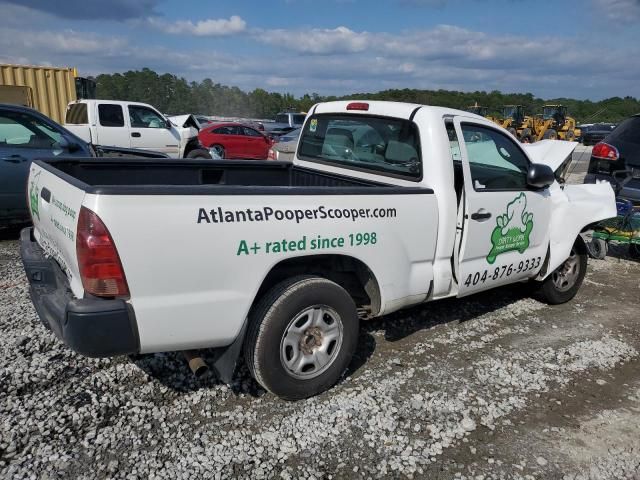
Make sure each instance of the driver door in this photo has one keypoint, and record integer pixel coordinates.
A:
(505, 226)
(149, 131)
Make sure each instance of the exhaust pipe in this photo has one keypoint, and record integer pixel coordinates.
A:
(196, 363)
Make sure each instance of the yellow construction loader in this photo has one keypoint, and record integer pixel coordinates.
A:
(517, 123)
(483, 112)
(554, 124)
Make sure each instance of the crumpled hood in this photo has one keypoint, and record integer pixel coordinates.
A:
(554, 153)
(185, 121)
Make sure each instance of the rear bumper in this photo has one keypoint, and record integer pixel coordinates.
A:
(94, 327)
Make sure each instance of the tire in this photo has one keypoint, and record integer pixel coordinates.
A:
(198, 153)
(219, 149)
(526, 136)
(634, 250)
(512, 131)
(565, 281)
(597, 248)
(550, 134)
(282, 350)
(570, 136)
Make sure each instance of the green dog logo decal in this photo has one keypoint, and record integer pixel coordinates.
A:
(512, 229)
(34, 196)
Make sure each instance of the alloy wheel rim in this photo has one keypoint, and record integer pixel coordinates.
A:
(219, 150)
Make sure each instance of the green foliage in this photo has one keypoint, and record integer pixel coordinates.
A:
(174, 95)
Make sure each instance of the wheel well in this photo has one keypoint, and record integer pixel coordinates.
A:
(192, 144)
(348, 272)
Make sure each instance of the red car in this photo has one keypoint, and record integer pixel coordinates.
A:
(234, 140)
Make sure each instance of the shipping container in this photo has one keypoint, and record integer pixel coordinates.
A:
(50, 89)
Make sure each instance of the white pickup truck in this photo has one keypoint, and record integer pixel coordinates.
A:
(386, 205)
(134, 125)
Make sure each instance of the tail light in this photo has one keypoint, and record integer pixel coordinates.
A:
(98, 261)
(604, 151)
(271, 155)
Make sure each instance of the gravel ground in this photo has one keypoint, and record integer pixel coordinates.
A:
(497, 385)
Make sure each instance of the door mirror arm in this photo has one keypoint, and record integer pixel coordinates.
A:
(540, 176)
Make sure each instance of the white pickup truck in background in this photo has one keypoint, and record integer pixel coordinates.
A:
(134, 125)
(386, 205)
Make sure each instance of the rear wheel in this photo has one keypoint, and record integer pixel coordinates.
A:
(512, 131)
(302, 335)
(570, 136)
(550, 134)
(526, 136)
(565, 281)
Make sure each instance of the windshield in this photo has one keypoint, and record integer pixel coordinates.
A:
(549, 112)
(361, 142)
(628, 131)
(509, 112)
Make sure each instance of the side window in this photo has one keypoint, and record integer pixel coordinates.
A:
(496, 162)
(227, 130)
(77, 114)
(19, 130)
(250, 132)
(143, 117)
(110, 115)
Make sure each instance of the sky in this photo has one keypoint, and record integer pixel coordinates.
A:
(586, 49)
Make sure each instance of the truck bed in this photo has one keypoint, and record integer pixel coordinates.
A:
(130, 176)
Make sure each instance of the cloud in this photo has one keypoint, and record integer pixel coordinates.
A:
(317, 40)
(61, 43)
(92, 9)
(341, 60)
(203, 28)
(625, 11)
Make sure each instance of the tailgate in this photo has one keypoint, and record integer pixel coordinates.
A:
(54, 205)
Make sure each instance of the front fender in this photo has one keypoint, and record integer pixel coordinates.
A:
(573, 208)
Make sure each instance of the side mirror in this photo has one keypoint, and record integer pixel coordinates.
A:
(63, 143)
(540, 176)
(168, 124)
(68, 145)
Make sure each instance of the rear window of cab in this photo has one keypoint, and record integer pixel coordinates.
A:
(387, 146)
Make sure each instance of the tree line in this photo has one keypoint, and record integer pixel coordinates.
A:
(174, 95)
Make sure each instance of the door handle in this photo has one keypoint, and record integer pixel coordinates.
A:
(14, 159)
(481, 215)
(45, 194)
(136, 134)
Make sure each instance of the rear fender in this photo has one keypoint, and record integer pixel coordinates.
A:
(574, 207)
